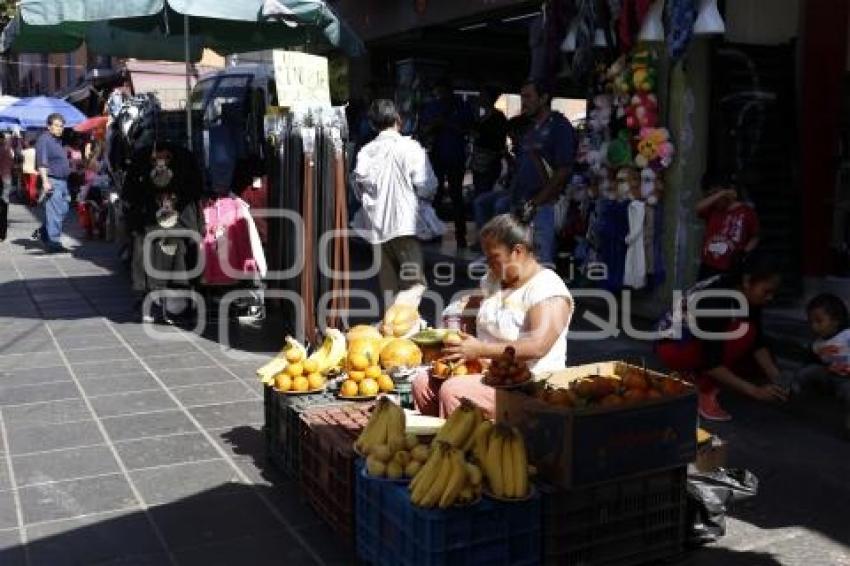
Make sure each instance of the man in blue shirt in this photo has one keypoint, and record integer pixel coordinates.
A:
(446, 120)
(544, 160)
(51, 160)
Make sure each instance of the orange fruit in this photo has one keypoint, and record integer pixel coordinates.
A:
(358, 362)
(315, 380)
(293, 356)
(348, 389)
(368, 387)
(460, 370)
(385, 383)
(310, 366)
(373, 372)
(294, 370)
(300, 384)
(283, 382)
(356, 376)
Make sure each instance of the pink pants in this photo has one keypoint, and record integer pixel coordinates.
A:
(439, 397)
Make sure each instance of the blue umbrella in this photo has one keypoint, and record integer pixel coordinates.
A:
(33, 112)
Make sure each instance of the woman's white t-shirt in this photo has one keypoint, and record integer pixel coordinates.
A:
(502, 315)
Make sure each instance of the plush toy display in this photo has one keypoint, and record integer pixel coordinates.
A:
(654, 149)
(620, 150)
(642, 111)
(643, 71)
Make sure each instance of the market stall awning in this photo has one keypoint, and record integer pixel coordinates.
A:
(153, 29)
(33, 112)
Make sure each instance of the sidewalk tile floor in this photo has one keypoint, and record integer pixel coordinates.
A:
(121, 447)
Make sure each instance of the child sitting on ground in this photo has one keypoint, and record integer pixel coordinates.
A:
(830, 356)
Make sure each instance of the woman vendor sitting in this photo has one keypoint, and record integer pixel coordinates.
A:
(740, 360)
(523, 305)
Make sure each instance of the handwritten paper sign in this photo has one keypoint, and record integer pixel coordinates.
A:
(301, 78)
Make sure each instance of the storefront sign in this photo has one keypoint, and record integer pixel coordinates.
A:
(301, 78)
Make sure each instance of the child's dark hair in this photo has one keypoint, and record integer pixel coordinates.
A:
(714, 179)
(833, 306)
(756, 267)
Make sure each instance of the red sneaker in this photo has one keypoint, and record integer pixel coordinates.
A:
(710, 409)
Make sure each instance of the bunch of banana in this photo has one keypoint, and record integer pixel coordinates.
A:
(459, 427)
(504, 460)
(385, 427)
(331, 353)
(446, 479)
(292, 348)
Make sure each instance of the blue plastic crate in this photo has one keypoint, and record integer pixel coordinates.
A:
(393, 531)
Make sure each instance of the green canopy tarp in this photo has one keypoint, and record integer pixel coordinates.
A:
(153, 29)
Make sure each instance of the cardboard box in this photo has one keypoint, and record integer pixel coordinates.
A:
(577, 447)
(711, 455)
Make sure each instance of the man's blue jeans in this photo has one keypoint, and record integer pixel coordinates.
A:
(544, 235)
(490, 204)
(55, 208)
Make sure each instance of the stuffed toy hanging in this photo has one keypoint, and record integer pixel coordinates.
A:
(642, 111)
(619, 150)
(643, 73)
(654, 149)
(679, 28)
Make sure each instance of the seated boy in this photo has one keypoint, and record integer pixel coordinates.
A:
(829, 365)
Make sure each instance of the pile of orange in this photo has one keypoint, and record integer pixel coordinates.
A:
(365, 379)
(300, 375)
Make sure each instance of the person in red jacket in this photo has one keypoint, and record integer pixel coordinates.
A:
(731, 226)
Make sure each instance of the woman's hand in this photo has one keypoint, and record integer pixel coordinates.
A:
(469, 348)
(770, 393)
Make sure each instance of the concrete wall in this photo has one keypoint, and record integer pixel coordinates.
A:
(762, 22)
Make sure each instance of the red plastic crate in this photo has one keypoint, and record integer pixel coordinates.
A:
(327, 462)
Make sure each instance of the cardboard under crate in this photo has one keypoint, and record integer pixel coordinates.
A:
(327, 462)
(575, 447)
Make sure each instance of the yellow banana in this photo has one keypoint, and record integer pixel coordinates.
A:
(462, 425)
(480, 438)
(457, 479)
(477, 419)
(520, 462)
(395, 427)
(474, 473)
(426, 476)
(509, 485)
(448, 427)
(439, 486)
(332, 351)
(493, 462)
(372, 434)
(278, 363)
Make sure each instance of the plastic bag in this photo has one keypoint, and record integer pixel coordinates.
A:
(709, 496)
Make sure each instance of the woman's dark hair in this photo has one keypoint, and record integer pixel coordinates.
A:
(833, 306)
(383, 114)
(714, 179)
(513, 229)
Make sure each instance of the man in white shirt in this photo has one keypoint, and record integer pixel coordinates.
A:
(392, 175)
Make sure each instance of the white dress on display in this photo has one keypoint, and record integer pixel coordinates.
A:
(635, 270)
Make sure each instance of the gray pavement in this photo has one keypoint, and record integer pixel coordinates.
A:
(116, 448)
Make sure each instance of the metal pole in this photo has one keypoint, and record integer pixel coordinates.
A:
(188, 81)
